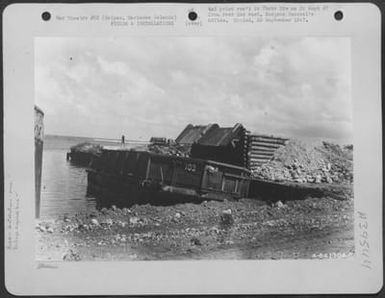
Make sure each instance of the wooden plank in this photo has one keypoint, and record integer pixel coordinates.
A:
(263, 142)
(257, 152)
(260, 154)
(257, 164)
(264, 149)
(271, 140)
(266, 145)
(255, 159)
(259, 161)
(267, 137)
(260, 157)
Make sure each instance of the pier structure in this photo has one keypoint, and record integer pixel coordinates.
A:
(39, 141)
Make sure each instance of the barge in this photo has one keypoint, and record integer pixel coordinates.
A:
(83, 154)
(141, 176)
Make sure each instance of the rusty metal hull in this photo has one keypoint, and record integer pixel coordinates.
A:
(141, 177)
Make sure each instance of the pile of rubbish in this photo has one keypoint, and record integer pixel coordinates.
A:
(84, 153)
(309, 163)
(170, 149)
(86, 147)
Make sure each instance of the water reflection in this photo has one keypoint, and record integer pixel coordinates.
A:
(64, 186)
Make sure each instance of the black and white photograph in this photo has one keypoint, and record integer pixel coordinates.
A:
(193, 148)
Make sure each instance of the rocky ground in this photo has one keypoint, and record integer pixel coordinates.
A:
(309, 162)
(244, 229)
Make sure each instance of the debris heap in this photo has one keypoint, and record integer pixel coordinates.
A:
(261, 149)
(87, 147)
(84, 153)
(309, 163)
(170, 149)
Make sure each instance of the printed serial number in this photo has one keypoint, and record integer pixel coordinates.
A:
(332, 255)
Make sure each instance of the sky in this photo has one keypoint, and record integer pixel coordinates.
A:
(151, 86)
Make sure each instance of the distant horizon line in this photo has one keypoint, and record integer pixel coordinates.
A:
(93, 138)
(80, 137)
(147, 141)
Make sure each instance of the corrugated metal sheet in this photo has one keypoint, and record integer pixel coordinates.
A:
(216, 137)
(225, 144)
(221, 136)
(192, 134)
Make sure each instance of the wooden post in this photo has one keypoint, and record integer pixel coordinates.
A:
(39, 137)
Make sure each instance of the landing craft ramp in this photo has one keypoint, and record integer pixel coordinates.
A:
(140, 177)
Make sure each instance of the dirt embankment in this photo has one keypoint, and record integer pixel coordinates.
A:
(303, 162)
(245, 229)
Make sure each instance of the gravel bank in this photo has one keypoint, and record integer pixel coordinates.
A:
(244, 229)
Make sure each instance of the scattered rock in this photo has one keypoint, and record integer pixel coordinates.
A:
(134, 220)
(201, 228)
(279, 205)
(306, 162)
(227, 218)
(278, 222)
(106, 222)
(93, 215)
(228, 211)
(121, 224)
(318, 179)
(196, 241)
(215, 230)
(71, 255)
(126, 210)
(310, 179)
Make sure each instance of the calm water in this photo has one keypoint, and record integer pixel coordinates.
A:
(64, 185)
